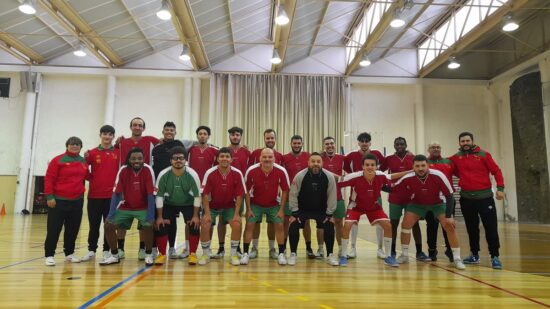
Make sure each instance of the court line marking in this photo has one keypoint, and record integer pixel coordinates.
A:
(29, 260)
(111, 297)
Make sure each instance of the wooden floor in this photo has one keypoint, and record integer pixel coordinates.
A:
(26, 283)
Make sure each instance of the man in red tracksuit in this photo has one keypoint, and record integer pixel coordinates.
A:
(473, 166)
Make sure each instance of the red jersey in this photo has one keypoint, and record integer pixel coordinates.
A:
(223, 189)
(255, 157)
(394, 164)
(135, 187)
(65, 177)
(264, 187)
(430, 191)
(365, 194)
(146, 143)
(353, 161)
(201, 160)
(293, 164)
(473, 169)
(443, 165)
(103, 169)
(335, 165)
(241, 156)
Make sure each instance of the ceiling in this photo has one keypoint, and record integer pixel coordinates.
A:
(240, 36)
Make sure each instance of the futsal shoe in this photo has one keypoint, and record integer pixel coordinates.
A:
(403, 259)
(160, 259)
(90, 255)
(273, 254)
(380, 254)
(320, 253)
(281, 259)
(458, 264)
(310, 254)
(218, 255)
(106, 254)
(121, 254)
(352, 253)
(184, 254)
(155, 252)
(193, 260)
(432, 253)
(172, 253)
(292, 259)
(422, 257)
(391, 261)
(244, 259)
(204, 259)
(332, 260)
(253, 253)
(113, 259)
(149, 260)
(343, 261)
(141, 254)
(49, 261)
(72, 258)
(471, 259)
(235, 260)
(496, 263)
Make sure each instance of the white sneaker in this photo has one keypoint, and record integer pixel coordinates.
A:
(155, 252)
(244, 259)
(49, 261)
(253, 253)
(149, 261)
(320, 253)
(121, 254)
(458, 264)
(273, 254)
(282, 259)
(204, 259)
(184, 254)
(291, 259)
(352, 253)
(380, 254)
(172, 253)
(72, 258)
(332, 260)
(235, 260)
(403, 259)
(106, 254)
(112, 259)
(141, 254)
(90, 255)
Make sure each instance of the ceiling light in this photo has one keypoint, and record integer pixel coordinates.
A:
(164, 12)
(397, 21)
(80, 52)
(184, 56)
(509, 24)
(453, 64)
(282, 18)
(27, 7)
(276, 59)
(365, 61)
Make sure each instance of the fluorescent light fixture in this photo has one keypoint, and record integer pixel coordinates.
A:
(184, 56)
(80, 52)
(365, 61)
(453, 64)
(276, 59)
(282, 18)
(397, 21)
(509, 24)
(164, 11)
(28, 7)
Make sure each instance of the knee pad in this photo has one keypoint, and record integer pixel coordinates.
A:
(405, 231)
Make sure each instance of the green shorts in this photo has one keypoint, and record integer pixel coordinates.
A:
(340, 212)
(125, 218)
(421, 210)
(270, 214)
(396, 211)
(226, 213)
(288, 213)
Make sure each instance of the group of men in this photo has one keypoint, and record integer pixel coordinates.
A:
(155, 180)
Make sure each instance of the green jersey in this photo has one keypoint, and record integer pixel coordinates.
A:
(181, 190)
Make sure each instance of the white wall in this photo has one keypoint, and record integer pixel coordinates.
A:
(11, 117)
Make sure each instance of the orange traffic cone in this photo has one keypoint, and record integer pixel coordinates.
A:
(3, 211)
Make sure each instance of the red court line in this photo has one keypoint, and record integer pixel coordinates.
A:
(495, 287)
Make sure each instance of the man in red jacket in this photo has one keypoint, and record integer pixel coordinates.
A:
(473, 166)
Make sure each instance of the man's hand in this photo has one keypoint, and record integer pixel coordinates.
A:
(51, 203)
(207, 219)
(195, 222)
(451, 222)
(249, 214)
(158, 223)
(236, 219)
(500, 195)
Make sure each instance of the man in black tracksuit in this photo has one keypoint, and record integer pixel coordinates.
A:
(313, 196)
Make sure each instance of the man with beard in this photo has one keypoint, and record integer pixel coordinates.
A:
(313, 197)
(132, 199)
(473, 166)
(426, 187)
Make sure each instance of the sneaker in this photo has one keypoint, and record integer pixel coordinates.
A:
(160, 259)
(72, 258)
(496, 263)
(121, 254)
(273, 254)
(155, 252)
(235, 260)
(343, 261)
(459, 265)
(352, 253)
(281, 259)
(380, 254)
(253, 253)
(332, 260)
(141, 254)
(471, 259)
(310, 254)
(320, 253)
(184, 254)
(292, 259)
(391, 261)
(244, 259)
(449, 254)
(113, 259)
(172, 253)
(49, 261)
(90, 255)
(149, 261)
(193, 260)
(204, 259)
(218, 255)
(403, 259)
(106, 254)
(422, 257)
(432, 253)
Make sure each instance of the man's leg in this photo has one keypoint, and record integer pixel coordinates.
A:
(236, 230)
(307, 238)
(206, 238)
(470, 212)
(271, 231)
(320, 243)
(432, 226)
(488, 214)
(56, 218)
(222, 230)
(453, 240)
(408, 222)
(94, 221)
(249, 232)
(396, 211)
(194, 234)
(72, 226)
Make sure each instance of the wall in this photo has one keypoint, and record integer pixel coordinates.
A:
(11, 116)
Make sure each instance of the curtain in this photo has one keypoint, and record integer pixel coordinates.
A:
(310, 106)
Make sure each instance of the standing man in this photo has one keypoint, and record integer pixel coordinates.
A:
(263, 181)
(103, 161)
(313, 197)
(222, 195)
(426, 187)
(354, 163)
(294, 162)
(473, 166)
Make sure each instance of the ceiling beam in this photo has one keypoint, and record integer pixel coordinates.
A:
(486, 25)
(375, 36)
(318, 29)
(15, 54)
(84, 29)
(12, 42)
(184, 22)
(282, 33)
(231, 26)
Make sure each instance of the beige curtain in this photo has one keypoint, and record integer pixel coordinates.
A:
(311, 106)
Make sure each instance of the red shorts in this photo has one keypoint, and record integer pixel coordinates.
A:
(373, 215)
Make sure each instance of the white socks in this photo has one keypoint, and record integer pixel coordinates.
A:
(456, 253)
(405, 250)
(379, 236)
(234, 246)
(387, 245)
(354, 231)
(344, 247)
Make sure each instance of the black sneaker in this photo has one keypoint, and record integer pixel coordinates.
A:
(449, 254)
(310, 254)
(432, 253)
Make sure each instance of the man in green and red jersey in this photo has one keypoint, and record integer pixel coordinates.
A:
(473, 166)
(294, 162)
(263, 181)
(223, 190)
(401, 161)
(353, 163)
(270, 139)
(427, 187)
(444, 165)
(103, 161)
(132, 199)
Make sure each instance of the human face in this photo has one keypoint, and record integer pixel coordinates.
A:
(267, 158)
(435, 150)
(224, 159)
(235, 138)
(330, 147)
(178, 161)
(106, 138)
(364, 145)
(400, 146)
(136, 161)
(169, 133)
(296, 145)
(466, 143)
(74, 148)
(369, 167)
(420, 168)
(202, 137)
(137, 126)
(269, 140)
(315, 163)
